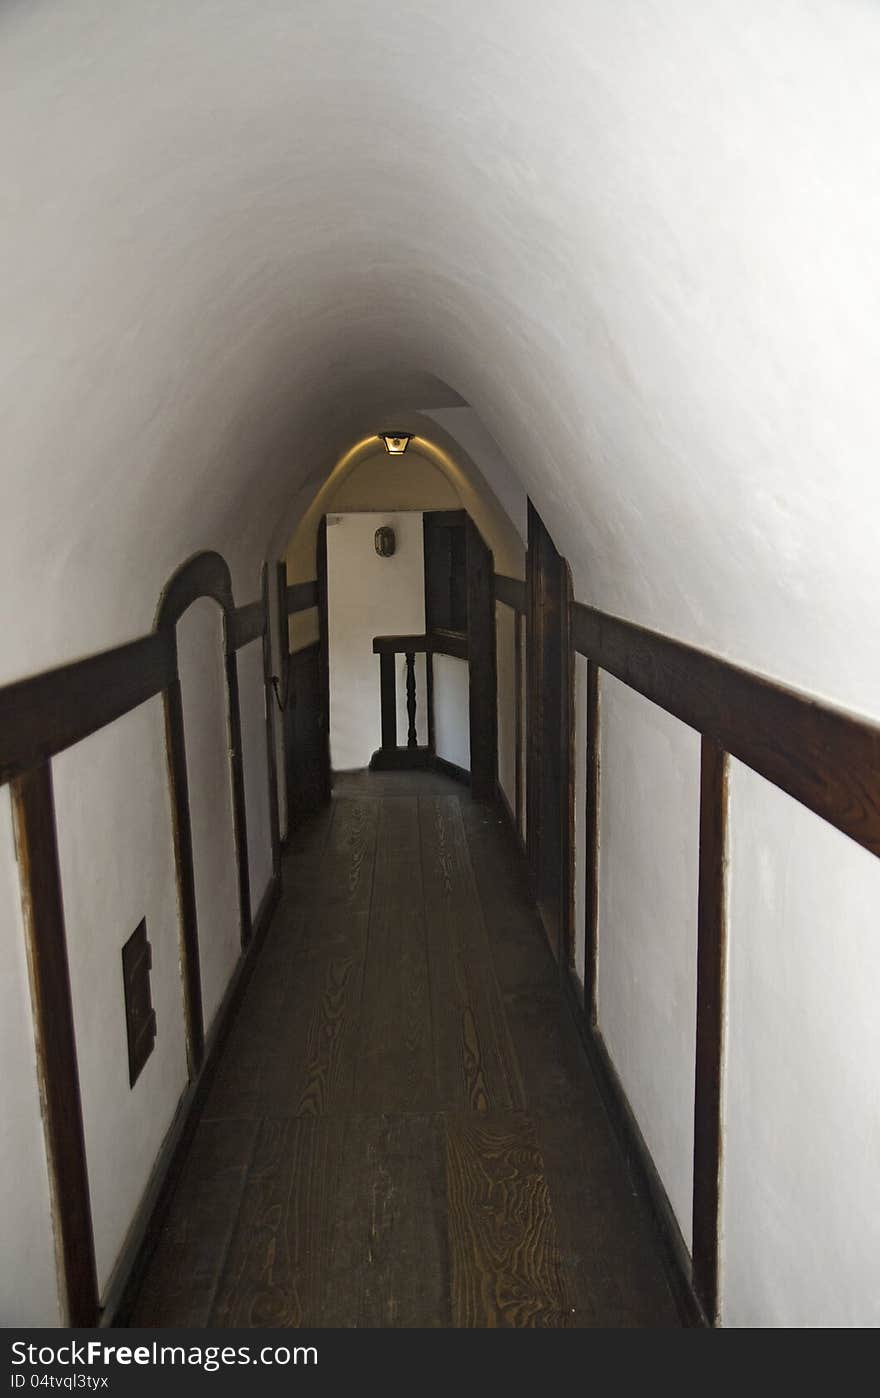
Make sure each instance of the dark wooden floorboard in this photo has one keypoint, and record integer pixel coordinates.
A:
(477, 1067)
(275, 1270)
(395, 1062)
(348, 785)
(521, 954)
(403, 1129)
(389, 1256)
(506, 1268)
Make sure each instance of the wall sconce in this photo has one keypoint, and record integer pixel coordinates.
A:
(385, 541)
(396, 443)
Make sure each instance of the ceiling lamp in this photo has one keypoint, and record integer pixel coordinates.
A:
(396, 443)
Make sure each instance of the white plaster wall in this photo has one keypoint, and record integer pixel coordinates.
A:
(801, 1184)
(28, 1290)
(370, 596)
(616, 230)
(648, 876)
(117, 865)
(505, 660)
(256, 770)
(206, 726)
(465, 428)
(580, 812)
(303, 628)
(452, 731)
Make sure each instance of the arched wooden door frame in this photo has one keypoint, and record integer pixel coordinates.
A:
(204, 575)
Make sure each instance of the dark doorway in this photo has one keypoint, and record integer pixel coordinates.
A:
(460, 608)
(549, 766)
(307, 784)
(307, 712)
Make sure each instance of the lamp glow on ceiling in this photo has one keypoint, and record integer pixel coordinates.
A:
(396, 443)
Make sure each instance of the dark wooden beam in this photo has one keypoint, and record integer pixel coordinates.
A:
(482, 677)
(204, 575)
(239, 811)
(711, 969)
(246, 624)
(282, 638)
(591, 844)
(429, 700)
(512, 592)
(300, 597)
(822, 756)
(454, 643)
(49, 712)
(518, 721)
(550, 783)
(181, 829)
(268, 691)
(37, 847)
(399, 645)
(323, 604)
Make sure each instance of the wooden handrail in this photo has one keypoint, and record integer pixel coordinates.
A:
(511, 591)
(301, 597)
(246, 624)
(819, 754)
(454, 643)
(824, 757)
(53, 710)
(399, 645)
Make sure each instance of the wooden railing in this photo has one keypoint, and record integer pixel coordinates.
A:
(824, 757)
(393, 755)
(42, 716)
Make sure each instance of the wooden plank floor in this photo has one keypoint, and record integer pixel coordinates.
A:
(403, 1130)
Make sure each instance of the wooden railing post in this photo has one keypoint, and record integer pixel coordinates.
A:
(711, 968)
(37, 847)
(411, 755)
(411, 737)
(388, 690)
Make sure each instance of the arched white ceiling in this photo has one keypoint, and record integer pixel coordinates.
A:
(641, 238)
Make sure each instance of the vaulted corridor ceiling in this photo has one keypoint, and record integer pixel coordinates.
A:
(639, 239)
(620, 258)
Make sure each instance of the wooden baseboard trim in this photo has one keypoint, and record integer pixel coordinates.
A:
(401, 759)
(642, 1168)
(416, 759)
(449, 769)
(501, 797)
(143, 1235)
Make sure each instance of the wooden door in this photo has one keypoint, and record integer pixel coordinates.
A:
(483, 684)
(304, 736)
(549, 709)
(307, 715)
